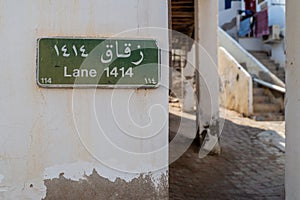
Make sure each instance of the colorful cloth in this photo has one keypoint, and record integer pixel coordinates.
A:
(250, 5)
(262, 23)
(245, 27)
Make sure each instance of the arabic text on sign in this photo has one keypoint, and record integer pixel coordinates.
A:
(108, 56)
(66, 53)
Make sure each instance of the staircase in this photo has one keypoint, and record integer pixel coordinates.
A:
(268, 88)
(264, 106)
(264, 58)
(265, 109)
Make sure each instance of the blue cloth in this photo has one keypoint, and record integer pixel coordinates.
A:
(245, 27)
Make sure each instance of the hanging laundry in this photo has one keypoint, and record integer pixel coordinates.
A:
(262, 23)
(250, 5)
(245, 27)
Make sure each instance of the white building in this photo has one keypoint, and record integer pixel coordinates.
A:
(275, 43)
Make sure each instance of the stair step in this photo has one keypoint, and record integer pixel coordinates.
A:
(281, 74)
(267, 59)
(268, 117)
(270, 64)
(266, 107)
(270, 67)
(261, 99)
(258, 91)
(259, 53)
(260, 56)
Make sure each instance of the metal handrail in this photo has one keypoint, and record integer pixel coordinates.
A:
(269, 85)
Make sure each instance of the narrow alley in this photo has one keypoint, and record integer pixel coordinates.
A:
(251, 165)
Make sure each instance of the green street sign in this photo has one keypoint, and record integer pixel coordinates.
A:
(108, 63)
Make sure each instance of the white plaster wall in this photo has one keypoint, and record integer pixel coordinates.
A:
(242, 56)
(227, 15)
(39, 138)
(256, 44)
(221, 5)
(207, 66)
(252, 44)
(236, 90)
(278, 53)
(277, 16)
(292, 110)
(277, 12)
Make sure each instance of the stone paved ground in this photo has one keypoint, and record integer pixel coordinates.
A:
(248, 168)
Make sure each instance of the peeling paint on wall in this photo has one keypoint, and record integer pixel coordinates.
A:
(236, 93)
(40, 149)
(94, 186)
(80, 170)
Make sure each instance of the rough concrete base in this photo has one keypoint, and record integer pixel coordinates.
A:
(209, 140)
(97, 187)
